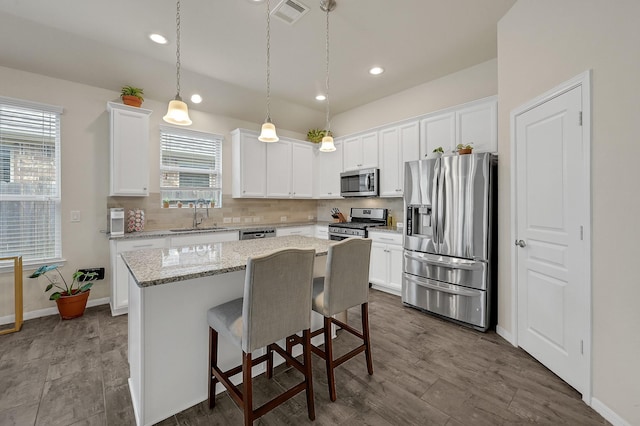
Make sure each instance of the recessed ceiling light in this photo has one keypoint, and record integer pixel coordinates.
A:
(196, 99)
(376, 71)
(321, 98)
(158, 38)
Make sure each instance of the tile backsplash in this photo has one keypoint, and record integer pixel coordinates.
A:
(259, 211)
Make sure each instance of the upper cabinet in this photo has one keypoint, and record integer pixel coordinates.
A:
(398, 144)
(361, 151)
(282, 169)
(477, 124)
(472, 123)
(327, 172)
(129, 150)
(249, 166)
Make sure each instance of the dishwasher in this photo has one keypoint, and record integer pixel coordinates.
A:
(254, 234)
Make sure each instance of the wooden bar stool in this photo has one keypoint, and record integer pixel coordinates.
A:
(345, 285)
(276, 304)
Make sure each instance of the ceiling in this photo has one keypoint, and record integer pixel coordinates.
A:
(223, 45)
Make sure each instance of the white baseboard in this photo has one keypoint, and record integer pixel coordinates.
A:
(10, 319)
(505, 335)
(606, 412)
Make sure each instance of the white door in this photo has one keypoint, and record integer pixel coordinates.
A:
(551, 211)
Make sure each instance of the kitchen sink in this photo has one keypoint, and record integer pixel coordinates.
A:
(209, 228)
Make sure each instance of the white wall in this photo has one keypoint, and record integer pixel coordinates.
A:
(542, 43)
(463, 86)
(85, 171)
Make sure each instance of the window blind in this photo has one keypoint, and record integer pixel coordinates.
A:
(29, 180)
(190, 165)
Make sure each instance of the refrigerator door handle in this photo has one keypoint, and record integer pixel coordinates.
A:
(447, 289)
(462, 264)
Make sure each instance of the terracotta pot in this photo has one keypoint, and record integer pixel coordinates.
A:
(165, 205)
(131, 100)
(73, 306)
(465, 151)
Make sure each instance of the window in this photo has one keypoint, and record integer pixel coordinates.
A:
(190, 166)
(29, 180)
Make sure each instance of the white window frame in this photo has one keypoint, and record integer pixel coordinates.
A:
(54, 196)
(192, 193)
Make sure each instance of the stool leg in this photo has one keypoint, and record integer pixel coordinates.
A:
(306, 348)
(213, 361)
(269, 372)
(247, 394)
(367, 339)
(289, 349)
(328, 352)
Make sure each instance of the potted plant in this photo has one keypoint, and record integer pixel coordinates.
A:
(464, 148)
(165, 203)
(132, 96)
(71, 299)
(316, 135)
(438, 152)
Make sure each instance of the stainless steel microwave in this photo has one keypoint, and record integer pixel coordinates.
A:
(359, 183)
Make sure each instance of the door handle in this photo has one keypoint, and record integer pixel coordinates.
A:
(521, 243)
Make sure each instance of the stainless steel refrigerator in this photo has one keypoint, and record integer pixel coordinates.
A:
(449, 241)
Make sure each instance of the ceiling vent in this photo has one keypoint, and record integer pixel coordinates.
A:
(290, 11)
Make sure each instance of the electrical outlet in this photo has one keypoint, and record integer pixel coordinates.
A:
(311, 217)
(98, 271)
(54, 278)
(236, 220)
(256, 219)
(247, 220)
(226, 220)
(283, 218)
(75, 215)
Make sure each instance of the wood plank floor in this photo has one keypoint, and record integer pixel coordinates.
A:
(426, 371)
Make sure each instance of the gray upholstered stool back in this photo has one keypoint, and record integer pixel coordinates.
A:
(277, 297)
(346, 281)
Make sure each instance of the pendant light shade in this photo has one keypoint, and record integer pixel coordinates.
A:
(268, 133)
(327, 144)
(177, 112)
(327, 141)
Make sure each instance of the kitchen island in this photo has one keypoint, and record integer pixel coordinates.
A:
(170, 291)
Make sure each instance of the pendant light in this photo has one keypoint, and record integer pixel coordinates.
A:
(327, 141)
(178, 112)
(268, 133)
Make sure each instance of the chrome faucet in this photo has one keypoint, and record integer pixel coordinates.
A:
(197, 222)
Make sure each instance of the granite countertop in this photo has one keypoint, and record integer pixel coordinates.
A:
(169, 233)
(161, 266)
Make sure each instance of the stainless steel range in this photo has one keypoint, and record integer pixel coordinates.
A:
(361, 220)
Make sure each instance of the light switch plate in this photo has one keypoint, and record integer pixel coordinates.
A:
(226, 220)
(283, 218)
(236, 220)
(75, 215)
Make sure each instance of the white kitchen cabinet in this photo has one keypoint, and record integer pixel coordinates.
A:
(398, 144)
(477, 124)
(302, 170)
(279, 169)
(474, 122)
(204, 238)
(120, 273)
(249, 165)
(306, 230)
(129, 150)
(361, 151)
(385, 270)
(322, 231)
(328, 167)
(437, 130)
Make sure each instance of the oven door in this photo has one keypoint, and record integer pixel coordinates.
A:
(337, 237)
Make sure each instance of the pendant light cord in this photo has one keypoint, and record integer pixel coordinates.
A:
(328, 125)
(268, 120)
(178, 49)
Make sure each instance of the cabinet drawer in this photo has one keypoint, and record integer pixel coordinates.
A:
(206, 238)
(141, 244)
(386, 237)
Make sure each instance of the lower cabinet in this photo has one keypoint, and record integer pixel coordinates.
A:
(322, 231)
(385, 270)
(120, 273)
(307, 231)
